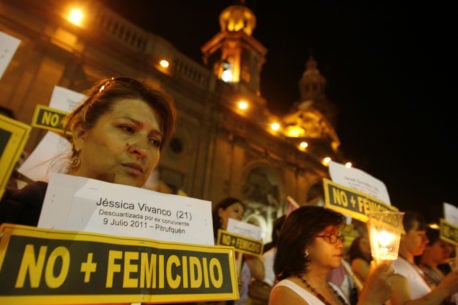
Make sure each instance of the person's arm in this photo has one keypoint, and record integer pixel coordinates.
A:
(256, 266)
(360, 268)
(268, 261)
(377, 289)
(447, 287)
(401, 290)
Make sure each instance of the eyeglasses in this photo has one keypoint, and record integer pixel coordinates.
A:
(332, 238)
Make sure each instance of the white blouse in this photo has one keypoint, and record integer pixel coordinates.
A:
(310, 298)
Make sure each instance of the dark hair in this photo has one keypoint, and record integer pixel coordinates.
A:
(433, 235)
(223, 204)
(410, 218)
(278, 223)
(276, 227)
(7, 112)
(355, 250)
(106, 92)
(300, 228)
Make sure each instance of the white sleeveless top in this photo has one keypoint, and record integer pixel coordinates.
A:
(310, 298)
(418, 286)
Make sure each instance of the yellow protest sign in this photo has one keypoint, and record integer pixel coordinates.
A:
(48, 118)
(448, 232)
(351, 202)
(13, 137)
(43, 266)
(241, 243)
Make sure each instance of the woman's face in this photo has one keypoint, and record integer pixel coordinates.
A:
(234, 211)
(326, 249)
(123, 146)
(439, 252)
(415, 240)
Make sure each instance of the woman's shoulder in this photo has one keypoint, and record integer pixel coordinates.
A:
(23, 206)
(30, 192)
(288, 291)
(285, 283)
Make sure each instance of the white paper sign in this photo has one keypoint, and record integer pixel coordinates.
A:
(81, 204)
(358, 180)
(451, 213)
(49, 154)
(8, 46)
(244, 229)
(65, 99)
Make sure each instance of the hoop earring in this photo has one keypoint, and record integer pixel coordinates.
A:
(306, 254)
(75, 160)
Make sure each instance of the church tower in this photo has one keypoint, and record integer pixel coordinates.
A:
(312, 84)
(312, 88)
(233, 54)
(313, 118)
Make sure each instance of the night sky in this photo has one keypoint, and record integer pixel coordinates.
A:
(388, 68)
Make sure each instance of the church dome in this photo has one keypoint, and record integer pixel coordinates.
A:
(236, 18)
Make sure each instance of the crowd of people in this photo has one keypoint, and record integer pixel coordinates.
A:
(410, 284)
(117, 135)
(310, 246)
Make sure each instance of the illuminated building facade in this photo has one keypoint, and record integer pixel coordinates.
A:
(221, 147)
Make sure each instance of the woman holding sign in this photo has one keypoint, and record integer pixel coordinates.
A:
(252, 266)
(310, 245)
(116, 135)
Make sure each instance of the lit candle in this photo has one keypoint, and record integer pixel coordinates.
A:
(385, 230)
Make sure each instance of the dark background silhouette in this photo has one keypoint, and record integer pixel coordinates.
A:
(388, 67)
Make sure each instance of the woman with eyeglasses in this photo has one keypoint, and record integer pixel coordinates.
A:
(117, 134)
(310, 245)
